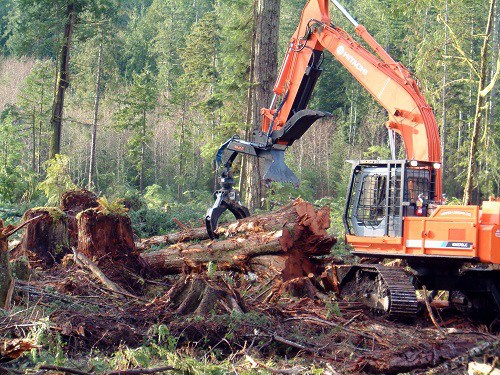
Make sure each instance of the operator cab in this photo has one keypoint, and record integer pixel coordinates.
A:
(383, 192)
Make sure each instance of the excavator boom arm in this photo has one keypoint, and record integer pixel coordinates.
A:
(389, 82)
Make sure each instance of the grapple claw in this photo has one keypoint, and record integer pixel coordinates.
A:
(225, 201)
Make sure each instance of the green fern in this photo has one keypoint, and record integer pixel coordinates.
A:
(114, 207)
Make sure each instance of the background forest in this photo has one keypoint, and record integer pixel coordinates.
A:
(156, 86)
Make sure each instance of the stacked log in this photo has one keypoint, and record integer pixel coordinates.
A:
(287, 247)
(290, 240)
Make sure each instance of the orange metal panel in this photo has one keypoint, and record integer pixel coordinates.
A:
(489, 244)
(490, 213)
(449, 231)
(388, 245)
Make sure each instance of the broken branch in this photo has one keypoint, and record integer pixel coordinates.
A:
(64, 369)
(82, 259)
(139, 371)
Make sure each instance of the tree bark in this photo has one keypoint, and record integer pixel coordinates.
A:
(107, 239)
(444, 125)
(198, 295)
(143, 152)
(265, 53)
(294, 234)
(73, 202)
(62, 83)
(33, 139)
(5, 274)
(495, 52)
(190, 234)
(45, 240)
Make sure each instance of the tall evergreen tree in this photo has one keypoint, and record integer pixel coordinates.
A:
(265, 52)
(137, 104)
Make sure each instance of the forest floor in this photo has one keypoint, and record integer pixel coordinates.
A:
(255, 301)
(66, 321)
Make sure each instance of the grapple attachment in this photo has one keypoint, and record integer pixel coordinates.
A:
(275, 169)
(226, 199)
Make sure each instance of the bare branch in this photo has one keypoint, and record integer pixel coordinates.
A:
(9, 231)
(64, 369)
(458, 47)
(494, 79)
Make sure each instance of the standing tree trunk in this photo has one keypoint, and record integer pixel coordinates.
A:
(478, 117)
(248, 119)
(444, 125)
(91, 181)
(265, 53)
(493, 94)
(180, 172)
(62, 83)
(143, 152)
(33, 138)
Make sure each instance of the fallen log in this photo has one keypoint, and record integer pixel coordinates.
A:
(411, 357)
(188, 234)
(261, 223)
(82, 260)
(294, 234)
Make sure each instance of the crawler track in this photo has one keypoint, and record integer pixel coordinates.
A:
(385, 289)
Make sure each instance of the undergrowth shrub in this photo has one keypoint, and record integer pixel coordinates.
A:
(149, 222)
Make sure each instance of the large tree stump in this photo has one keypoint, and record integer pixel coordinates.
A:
(75, 201)
(294, 234)
(72, 203)
(45, 240)
(107, 239)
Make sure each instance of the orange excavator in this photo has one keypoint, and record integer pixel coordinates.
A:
(395, 208)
